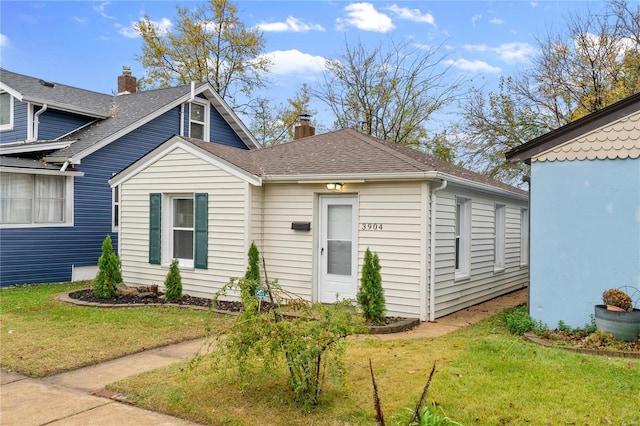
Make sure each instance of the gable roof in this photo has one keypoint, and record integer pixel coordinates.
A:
(575, 130)
(115, 115)
(349, 155)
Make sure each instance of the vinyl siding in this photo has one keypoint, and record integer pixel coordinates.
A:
(219, 130)
(20, 120)
(54, 124)
(483, 283)
(182, 172)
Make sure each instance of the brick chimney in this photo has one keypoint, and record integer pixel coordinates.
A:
(126, 82)
(304, 129)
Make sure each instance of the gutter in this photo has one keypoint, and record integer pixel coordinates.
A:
(432, 251)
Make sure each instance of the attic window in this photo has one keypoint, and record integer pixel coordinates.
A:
(199, 120)
(6, 111)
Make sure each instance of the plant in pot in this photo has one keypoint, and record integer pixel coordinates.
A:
(618, 315)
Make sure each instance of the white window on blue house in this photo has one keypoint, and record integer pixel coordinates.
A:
(199, 120)
(462, 237)
(499, 241)
(115, 211)
(524, 237)
(35, 200)
(178, 229)
(6, 111)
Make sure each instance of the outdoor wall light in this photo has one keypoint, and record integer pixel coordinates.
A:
(335, 187)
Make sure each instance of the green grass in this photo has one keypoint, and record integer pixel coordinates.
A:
(40, 336)
(485, 376)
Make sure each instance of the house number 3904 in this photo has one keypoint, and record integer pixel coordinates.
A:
(371, 227)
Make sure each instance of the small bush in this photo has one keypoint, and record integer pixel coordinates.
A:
(518, 321)
(617, 298)
(173, 283)
(371, 294)
(252, 276)
(106, 282)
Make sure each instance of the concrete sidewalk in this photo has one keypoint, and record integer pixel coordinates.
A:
(70, 398)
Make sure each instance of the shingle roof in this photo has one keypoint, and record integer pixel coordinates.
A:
(342, 152)
(25, 163)
(60, 96)
(125, 111)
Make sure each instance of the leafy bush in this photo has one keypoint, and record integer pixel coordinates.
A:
(371, 294)
(431, 417)
(518, 321)
(252, 276)
(310, 343)
(106, 282)
(173, 283)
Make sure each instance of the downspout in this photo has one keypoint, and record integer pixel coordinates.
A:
(36, 121)
(65, 165)
(432, 252)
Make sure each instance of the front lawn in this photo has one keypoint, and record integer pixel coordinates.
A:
(485, 376)
(40, 336)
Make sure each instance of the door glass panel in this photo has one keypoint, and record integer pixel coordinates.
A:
(339, 228)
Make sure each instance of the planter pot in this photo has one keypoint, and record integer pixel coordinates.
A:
(623, 325)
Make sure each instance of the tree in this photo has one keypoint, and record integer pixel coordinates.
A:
(108, 278)
(387, 93)
(273, 125)
(371, 294)
(592, 64)
(252, 276)
(209, 44)
(173, 283)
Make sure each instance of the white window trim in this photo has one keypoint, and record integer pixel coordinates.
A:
(9, 126)
(499, 225)
(463, 272)
(524, 237)
(68, 213)
(167, 230)
(115, 208)
(206, 122)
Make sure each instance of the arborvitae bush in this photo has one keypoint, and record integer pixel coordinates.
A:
(106, 282)
(173, 283)
(252, 276)
(371, 294)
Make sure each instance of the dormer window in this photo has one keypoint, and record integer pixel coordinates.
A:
(198, 120)
(6, 111)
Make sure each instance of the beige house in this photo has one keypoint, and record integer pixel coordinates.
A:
(447, 238)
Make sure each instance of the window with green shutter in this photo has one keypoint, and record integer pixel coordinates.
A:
(155, 227)
(201, 230)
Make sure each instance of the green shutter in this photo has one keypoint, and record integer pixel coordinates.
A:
(202, 227)
(155, 227)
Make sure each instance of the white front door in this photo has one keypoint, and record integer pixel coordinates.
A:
(338, 247)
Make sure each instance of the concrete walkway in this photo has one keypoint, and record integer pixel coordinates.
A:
(78, 398)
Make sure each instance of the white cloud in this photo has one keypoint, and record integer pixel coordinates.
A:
(472, 66)
(474, 19)
(162, 27)
(534, 4)
(79, 20)
(496, 21)
(413, 15)
(291, 24)
(101, 10)
(287, 62)
(365, 17)
(507, 52)
(4, 40)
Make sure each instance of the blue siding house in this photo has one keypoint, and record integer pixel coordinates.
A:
(585, 212)
(59, 146)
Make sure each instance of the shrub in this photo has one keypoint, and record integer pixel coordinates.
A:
(106, 282)
(252, 276)
(518, 321)
(173, 283)
(371, 294)
(311, 344)
(617, 298)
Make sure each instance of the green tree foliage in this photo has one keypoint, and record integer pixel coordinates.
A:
(208, 43)
(272, 125)
(371, 294)
(310, 345)
(252, 276)
(389, 93)
(108, 278)
(173, 283)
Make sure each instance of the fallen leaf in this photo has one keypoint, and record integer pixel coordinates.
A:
(606, 420)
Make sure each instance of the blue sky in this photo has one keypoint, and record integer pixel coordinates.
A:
(86, 43)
